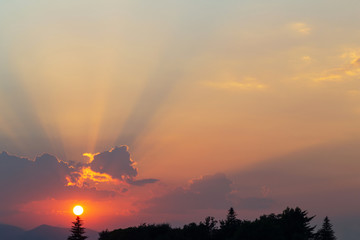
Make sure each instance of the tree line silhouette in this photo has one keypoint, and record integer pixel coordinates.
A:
(291, 224)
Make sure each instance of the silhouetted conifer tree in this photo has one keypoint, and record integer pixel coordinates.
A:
(229, 225)
(77, 230)
(231, 217)
(326, 232)
(296, 224)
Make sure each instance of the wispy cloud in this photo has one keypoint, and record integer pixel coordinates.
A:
(329, 78)
(300, 27)
(306, 59)
(245, 84)
(349, 70)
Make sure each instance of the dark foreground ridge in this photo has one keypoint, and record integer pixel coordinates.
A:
(43, 232)
(291, 224)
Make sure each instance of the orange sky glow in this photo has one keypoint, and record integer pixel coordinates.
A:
(170, 111)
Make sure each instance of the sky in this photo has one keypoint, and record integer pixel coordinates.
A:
(170, 111)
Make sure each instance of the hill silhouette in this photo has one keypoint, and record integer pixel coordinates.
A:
(43, 232)
(9, 232)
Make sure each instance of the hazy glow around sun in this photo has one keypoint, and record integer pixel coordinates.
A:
(78, 210)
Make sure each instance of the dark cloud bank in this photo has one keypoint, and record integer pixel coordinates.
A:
(208, 192)
(23, 180)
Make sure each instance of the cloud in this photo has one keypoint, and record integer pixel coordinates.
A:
(85, 177)
(142, 182)
(329, 78)
(210, 192)
(301, 27)
(347, 71)
(118, 164)
(306, 59)
(23, 180)
(244, 84)
(210, 184)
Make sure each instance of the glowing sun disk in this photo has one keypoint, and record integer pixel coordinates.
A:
(78, 210)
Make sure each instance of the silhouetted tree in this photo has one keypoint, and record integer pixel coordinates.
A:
(231, 219)
(104, 235)
(326, 232)
(229, 225)
(267, 227)
(77, 230)
(209, 224)
(296, 224)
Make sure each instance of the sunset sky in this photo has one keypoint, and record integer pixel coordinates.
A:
(170, 111)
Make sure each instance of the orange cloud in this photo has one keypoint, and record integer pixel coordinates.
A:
(89, 178)
(107, 170)
(329, 78)
(245, 84)
(90, 156)
(349, 70)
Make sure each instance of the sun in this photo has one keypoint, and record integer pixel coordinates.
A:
(78, 210)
